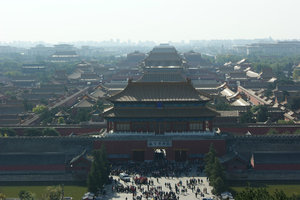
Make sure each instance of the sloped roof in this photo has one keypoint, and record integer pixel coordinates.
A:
(227, 92)
(98, 93)
(252, 74)
(164, 48)
(84, 104)
(159, 91)
(274, 157)
(78, 157)
(163, 57)
(162, 77)
(228, 113)
(240, 102)
(161, 112)
(232, 155)
(163, 52)
(46, 158)
(65, 53)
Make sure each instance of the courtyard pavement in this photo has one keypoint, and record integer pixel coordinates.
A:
(160, 182)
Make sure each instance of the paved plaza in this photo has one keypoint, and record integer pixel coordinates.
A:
(188, 182)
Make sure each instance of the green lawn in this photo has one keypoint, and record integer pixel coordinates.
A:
(70, 191)
(288, 189)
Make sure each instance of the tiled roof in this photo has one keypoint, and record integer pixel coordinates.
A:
(240, 102)
(159, 91)
(276, 157)
(163, 57)
(10, 159)
(84, 104)
(161, 77)
(65, 53)
(161, 112)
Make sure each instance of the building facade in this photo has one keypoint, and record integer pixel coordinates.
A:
(166, 117)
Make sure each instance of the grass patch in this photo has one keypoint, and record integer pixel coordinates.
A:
(70, 191)
(289, 190)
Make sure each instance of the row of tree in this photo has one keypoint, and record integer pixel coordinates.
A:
(51, 193)
(30, 132)
(273, 131)
(260, 193)
(255, 114)
(215, 172)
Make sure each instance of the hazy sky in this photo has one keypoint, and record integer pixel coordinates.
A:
(157, 20)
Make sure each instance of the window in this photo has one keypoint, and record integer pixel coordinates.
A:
(196, 126)
(123, 126)
(159, 105)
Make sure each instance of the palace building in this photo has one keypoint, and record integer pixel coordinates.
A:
(155, 120)
(163, 55)
(159, 107)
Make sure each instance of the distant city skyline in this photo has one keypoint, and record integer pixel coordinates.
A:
(147, 20)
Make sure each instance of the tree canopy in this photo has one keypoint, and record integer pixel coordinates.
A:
(215, 171)
(251, 193)
(53, 193)
(99, 173)
(25, 195)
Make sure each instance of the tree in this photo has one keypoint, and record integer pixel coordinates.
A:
(53, 193)
(272, 131)
(28, 106)
(247, 117)
(209, 160)
(223, 106)
(215, 171)
(8, 132)
(219, 186)
(82, 115)
(46, 116)
(25, 195)
(50, 132)
(33, 132)
(261, 113)
(2, 196)
(280, 195)
(251, 193)
(99, 106)
(39, 109)
(295, 103)
(61, 120)
(285, 122)
(297, 131)
(99, 173)
(296, 74)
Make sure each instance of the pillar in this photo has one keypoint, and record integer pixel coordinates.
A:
(115, 126)
(204, 125)
(210, 127)
(148, 126)
(107, 126)
(187, 126)
(110, 125)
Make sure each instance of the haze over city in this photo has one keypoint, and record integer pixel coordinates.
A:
(159, 21)
(149, 99)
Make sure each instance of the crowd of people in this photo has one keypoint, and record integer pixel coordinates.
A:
(155, 169)
(153, 187)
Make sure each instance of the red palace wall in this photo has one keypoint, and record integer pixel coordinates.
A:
(277, 167)
(257, 130)
(191, 146)
(33, 168)
(65, 131)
